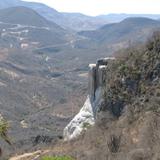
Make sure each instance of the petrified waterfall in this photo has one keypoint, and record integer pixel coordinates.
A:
(87, 115)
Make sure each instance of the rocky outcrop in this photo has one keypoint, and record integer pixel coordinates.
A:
(87, 115)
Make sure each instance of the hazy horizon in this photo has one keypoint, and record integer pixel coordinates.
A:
(96, 7)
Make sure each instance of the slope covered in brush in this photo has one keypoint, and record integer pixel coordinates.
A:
(135, 29)
(128, 122)
(134, 76)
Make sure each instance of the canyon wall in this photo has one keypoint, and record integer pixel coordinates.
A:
(87, 115)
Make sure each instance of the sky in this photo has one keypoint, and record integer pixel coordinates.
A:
(98, 7)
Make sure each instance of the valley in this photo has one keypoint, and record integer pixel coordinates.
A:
(43, 80)
(44, 67)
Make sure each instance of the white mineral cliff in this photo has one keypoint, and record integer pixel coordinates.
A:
(87, 115)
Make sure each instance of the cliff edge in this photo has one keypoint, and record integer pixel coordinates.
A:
(87, 115)
(123, 106)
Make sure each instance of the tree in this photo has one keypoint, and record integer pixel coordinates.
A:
(3, 131)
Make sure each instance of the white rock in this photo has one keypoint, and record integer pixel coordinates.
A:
(76, 126)
(87, 115)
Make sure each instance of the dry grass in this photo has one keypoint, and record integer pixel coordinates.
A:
(128, 127)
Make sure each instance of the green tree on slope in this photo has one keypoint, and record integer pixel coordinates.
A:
(3, 131)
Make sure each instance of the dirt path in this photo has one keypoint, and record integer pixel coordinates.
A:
(30, 156)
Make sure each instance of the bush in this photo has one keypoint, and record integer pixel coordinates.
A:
(132, 76)
(3, 130)
(56, 158)
(114, 143)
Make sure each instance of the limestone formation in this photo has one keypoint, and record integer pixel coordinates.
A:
(92, 80)
(87, 115)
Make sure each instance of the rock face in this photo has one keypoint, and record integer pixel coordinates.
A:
(87, 115)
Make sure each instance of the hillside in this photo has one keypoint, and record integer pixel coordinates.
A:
(21, 26)
(130, 30)
(35, 84)
(44, 76)
(71, 21)
(127, 121)
(82, 22)
(79, 22)
(114, 18)
(15, 15)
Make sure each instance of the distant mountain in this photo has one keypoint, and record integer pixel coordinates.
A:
(24, 16)
(74, 21)
(80, 21)
(112, 18)
(129, 30)
(24, 25)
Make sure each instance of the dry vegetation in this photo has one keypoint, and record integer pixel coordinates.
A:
(128, 124)
(3, 132)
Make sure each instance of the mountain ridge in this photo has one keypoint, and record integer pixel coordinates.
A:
(82, 22)
(26, 27)
(57, 17)
(130, 29)
(15, 15)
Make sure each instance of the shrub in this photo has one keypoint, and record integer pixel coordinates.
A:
(114, 143)
(132, 76)
(3, 130)
(86, 125)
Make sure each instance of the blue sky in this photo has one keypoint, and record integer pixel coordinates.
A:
(97, 7)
